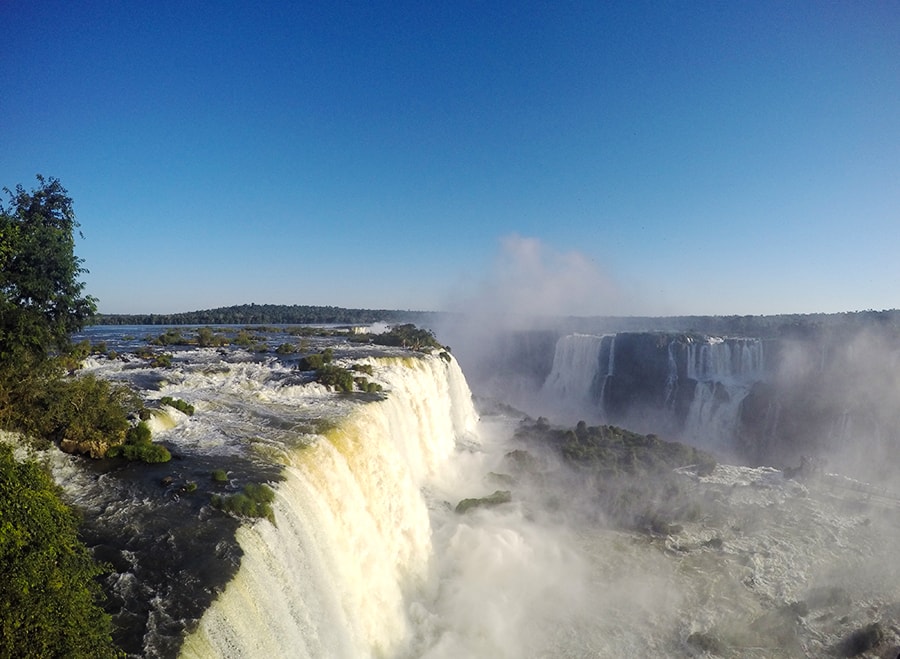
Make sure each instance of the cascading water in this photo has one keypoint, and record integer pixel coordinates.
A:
(724, 371)
(687, 387)
(576, 363)
(367, 557)
(353, 540)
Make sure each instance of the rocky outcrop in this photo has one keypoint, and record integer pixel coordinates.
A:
(495, 499)
(94, 448)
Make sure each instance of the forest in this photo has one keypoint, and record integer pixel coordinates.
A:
(268, 314)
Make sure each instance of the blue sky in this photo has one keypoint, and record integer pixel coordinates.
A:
(587, 158)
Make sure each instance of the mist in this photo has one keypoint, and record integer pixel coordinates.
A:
(528, 287)
(788, 552)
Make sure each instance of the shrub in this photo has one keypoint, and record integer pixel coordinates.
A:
(138, 446)
(335, 376)
(243, 339)
(49, 600)
(219, 476)
(207, 338)
(311, 363)
(139, 434)
(253, 501)
(170, 337)
(86, 414)
(178, 404)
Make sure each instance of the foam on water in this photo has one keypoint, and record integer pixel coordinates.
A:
(354, 537)
(369, 559)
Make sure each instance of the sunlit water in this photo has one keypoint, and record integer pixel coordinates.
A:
(368, 558)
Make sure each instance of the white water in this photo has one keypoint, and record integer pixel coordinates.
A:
(368, 558)
(725, 371)
(576, 363)
(724, 360)
(353, 542)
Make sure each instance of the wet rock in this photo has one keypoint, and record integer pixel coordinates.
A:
(706, 643)
(861, 640)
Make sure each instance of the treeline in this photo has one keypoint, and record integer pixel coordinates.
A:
(271, 314)
(774, 326)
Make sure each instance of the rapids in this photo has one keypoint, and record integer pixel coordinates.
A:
(367, 557)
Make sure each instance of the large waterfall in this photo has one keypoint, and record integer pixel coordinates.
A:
(724, 370)
(353, 540)
(686, 386)
(367, 556)
(577, 369)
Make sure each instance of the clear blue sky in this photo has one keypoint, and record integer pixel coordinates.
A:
(599, 157)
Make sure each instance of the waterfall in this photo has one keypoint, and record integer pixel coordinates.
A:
(725, 359)
(725, 370)
(672, 377)
(353, 536)
(576, 363)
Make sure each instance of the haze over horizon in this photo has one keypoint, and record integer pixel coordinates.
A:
(624, 158)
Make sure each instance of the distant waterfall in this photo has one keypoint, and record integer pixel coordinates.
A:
(682, 385)
(724, 359)
(353, 536)
(724, 370)
(576, 365)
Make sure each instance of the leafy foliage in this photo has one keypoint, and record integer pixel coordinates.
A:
(255, 500)
(41, 301)
(405, 336)
(335, 376)
(180, 405)
(48, 596)
(138, 446)
(316, 361)
(87, 414)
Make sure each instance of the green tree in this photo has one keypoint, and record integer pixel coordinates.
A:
(41, 300)
(48, 596)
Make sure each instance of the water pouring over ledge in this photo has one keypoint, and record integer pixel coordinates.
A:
(368, 557)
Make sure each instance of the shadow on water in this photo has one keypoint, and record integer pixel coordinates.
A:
(171, 552)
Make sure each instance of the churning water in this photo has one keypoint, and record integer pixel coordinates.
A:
(368, 558)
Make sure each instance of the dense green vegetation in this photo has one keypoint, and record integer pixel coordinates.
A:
(41, 301)
(49, 601)
(41, 304)
(138, 446)
(782, 325)
(182, 406)
(48, 596)
(337, 377)
(255, 500)
(256, 314)
(404, 336)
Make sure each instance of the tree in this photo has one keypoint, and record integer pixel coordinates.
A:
(41, 300)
